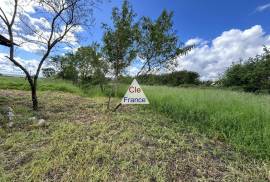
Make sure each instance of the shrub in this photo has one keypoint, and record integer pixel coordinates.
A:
(253, 75)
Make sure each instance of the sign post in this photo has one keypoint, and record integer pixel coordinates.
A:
(134, 95)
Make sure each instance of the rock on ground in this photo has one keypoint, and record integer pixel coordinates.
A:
(42, 122)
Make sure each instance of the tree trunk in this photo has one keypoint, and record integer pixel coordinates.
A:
(34, 97)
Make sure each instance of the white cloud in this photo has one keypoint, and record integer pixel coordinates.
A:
(29, 41)
(211, 60)
(32, 31)
(263, 7)
(7, 67)
(195, 41)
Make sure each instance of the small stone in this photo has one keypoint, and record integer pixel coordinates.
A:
(41, 123)
(10, 124)
(32, 118)
(9, 109)
(10, 115)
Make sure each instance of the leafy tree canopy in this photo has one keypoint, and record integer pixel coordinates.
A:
(120, 40)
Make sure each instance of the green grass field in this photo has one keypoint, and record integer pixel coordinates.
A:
(184, 134)
(240, 118)
(43, 85)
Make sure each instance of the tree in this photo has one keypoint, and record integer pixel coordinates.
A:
(91, 66)
(85, 66)
(66, 66)
(252, 75)
(158, 44)
(48, 72)
(119, 42)
(61, 18)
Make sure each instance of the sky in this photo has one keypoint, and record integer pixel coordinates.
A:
(224, 31)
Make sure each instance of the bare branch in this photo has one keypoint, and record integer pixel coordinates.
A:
(4, 17)
(16, 63)
(14, 13)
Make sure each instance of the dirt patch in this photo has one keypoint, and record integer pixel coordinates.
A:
(55, 106)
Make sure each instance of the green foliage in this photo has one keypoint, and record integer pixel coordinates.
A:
(172, 79)
(158, 43)
(125, 79)
(66, 66)
(92, 68)
(85, 66)
(252, 75)
(48, 72)
(119, 42)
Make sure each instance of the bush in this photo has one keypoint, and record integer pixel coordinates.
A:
(48, 72)
(253, 75)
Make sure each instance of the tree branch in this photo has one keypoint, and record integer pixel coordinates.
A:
(4, 17)
(15, 12)
(22, 68)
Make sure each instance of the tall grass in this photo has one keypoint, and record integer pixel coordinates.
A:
(239, 118)
(242, 119)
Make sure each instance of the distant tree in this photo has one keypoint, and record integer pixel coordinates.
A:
(158, 44)
(63, 18)
(172, 79)
(119, 41)
(252, 75)
(85, 66)
(66, 67)
(48, 72)
(91, 66)
(183, 77)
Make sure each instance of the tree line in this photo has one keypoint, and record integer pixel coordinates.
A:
(86, 67)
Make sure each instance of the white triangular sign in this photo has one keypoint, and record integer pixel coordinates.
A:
(134, 95)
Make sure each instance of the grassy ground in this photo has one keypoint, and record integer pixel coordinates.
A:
(43, 85)
(239, 118)
(83, 142)
(207, 117)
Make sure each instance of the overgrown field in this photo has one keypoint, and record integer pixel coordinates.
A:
(240, 119)
(83, 142)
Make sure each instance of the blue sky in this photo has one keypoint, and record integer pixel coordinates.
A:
(194, 18)
(223, 30)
